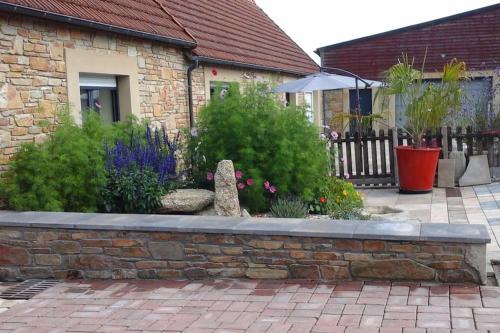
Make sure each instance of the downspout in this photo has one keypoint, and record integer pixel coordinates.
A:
(190, 70)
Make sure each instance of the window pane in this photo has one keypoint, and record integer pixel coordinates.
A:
(308, 102)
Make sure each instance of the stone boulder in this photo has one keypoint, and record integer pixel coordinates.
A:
(186, 201)
(226, 194)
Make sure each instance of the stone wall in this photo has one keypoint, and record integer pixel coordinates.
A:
(100, 246)
(33, 80)
(334, 104)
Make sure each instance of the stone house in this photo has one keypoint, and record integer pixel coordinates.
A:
(155, 59)
(472, 37)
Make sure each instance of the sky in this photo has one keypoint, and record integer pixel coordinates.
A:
(315, 23)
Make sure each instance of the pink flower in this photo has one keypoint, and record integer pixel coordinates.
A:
(210, 176)
(240, 186)
(334, 135)
(272, 189)
(238, 174)
(346, 176)
(249, 181)
(267, 185)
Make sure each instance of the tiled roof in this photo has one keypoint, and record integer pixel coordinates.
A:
(144, 16)
(232, 31)
(239, 31)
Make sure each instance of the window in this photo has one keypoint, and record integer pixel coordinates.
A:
(215, 85)
(99, 93)
(111, 79)
(287, 99)
(365, 108)
(308, 103)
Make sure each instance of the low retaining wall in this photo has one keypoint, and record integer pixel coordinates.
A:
(108, 246)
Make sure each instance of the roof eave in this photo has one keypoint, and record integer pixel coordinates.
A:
(250, 66)
(94, 25)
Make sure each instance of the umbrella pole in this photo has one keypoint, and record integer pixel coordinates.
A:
(358, 106)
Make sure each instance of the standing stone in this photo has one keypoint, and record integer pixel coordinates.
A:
(460, 163)
(226, 194)
(477, 173)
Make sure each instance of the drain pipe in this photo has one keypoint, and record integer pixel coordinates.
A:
(190, 70)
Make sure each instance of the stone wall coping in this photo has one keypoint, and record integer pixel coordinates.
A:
(380, 230)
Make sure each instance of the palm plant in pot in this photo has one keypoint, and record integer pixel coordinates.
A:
(426, 105)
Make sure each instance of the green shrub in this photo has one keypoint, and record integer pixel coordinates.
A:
(289, 207)
(340, 199)
(269, 141)
(136, 192)
(66, 171)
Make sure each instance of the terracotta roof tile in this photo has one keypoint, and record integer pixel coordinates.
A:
(239, 31)
(140, 15)
(236, 31)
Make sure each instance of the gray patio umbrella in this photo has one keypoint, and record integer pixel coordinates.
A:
(324, 81)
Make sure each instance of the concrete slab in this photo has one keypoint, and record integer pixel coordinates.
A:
(469, 233)
(446, 173)
(388, 230)
(460, 163)
(477, 172)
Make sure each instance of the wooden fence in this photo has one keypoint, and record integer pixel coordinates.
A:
(369, 158)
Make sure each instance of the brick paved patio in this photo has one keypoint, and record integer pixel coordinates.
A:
(224, 306)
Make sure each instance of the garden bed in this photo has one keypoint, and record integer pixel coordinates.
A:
(119, 246)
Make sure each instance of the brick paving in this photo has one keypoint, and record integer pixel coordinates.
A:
(227, 306)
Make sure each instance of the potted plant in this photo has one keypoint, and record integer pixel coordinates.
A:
(427, 105)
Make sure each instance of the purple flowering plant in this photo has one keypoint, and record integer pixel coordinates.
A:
(140, 171)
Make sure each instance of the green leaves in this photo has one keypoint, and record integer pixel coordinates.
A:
(289, 207)
(137, 192)
(262, 137)
(65, 172)
(427, 104)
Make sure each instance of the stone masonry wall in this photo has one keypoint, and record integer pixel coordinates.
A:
(92, 254)
(33, 76)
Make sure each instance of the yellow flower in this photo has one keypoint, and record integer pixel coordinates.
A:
(345, 193)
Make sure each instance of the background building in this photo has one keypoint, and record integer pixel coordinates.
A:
(472, 37)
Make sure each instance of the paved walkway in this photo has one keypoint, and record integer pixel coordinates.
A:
(478, 204)
(233, 306)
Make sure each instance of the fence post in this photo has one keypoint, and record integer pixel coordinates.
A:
(395, 144)
(444, 142)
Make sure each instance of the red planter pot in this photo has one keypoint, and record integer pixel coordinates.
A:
(417, 168)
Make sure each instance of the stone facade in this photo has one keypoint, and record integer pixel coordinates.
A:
(34, 74)
(33, 78)
(101, 254)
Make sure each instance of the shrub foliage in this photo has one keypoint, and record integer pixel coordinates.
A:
(73, 171)
(269, 141)
(64, 173)
(289, 207)
(339, 199)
